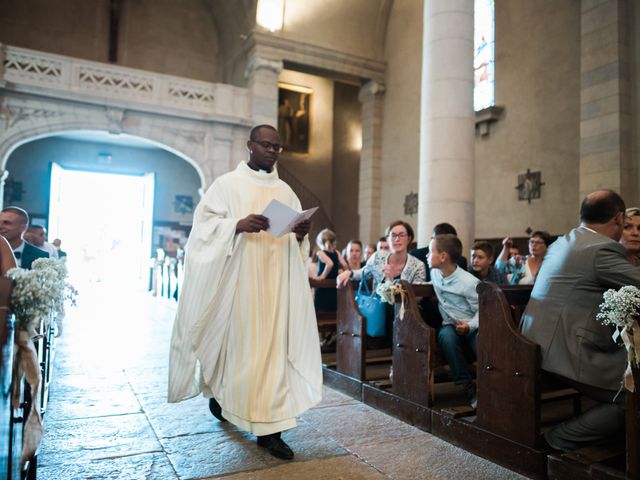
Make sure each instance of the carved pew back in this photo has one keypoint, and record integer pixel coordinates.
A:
(351, 342)
(509, 370)
(416, 353)
(326, 320)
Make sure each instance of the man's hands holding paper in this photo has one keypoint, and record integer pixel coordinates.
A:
(301, 229)
(252, 224)
(255, 223)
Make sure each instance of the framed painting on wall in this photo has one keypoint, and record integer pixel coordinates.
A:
(294, 104)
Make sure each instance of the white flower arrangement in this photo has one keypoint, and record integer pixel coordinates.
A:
(387, 290)
(40, 291)
(621, 309)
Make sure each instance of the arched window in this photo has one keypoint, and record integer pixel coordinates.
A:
(483, 54)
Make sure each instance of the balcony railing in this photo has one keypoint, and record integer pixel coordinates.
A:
(67, 77)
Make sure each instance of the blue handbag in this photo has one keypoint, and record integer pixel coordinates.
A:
(372, 308)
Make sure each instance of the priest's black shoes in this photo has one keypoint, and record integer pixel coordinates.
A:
(216, 409)
(276, 447)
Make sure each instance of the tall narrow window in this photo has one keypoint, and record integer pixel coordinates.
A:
(483, 54)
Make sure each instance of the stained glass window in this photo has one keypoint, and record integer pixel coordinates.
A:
(483, 54)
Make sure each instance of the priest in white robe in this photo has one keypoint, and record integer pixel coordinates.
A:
(245, 333)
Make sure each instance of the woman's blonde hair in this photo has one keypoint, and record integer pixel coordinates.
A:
(326, 240)
(632, 212)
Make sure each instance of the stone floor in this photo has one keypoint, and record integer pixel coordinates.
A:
(108, 418)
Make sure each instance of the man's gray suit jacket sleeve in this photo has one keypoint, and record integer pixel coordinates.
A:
(613, 270)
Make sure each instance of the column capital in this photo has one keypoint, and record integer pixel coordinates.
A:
(370, 89)
(262, 63)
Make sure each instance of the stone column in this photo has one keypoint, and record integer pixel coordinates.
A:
(606, 127)
(370, 182)
(447, 133)
(262, 74)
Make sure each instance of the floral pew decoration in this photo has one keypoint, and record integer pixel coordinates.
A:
(38, 295)
(621, 308)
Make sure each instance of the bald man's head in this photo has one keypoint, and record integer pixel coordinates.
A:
(601, 206)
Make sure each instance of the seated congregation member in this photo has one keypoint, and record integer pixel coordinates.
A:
(523, 270)
(630, 239)
(458, 305)
(13, 225)
(354, 255)
(392, 264)
(482, 263)
(422, 253)
(367, 252)
(382, 244)
(561, 317)
(330, 263)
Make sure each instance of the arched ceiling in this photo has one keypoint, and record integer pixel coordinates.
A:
(355, 27)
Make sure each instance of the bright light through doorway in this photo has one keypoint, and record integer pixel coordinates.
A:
(104, 221)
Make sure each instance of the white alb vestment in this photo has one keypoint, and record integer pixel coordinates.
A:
(245, 330)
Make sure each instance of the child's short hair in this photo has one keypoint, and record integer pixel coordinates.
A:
(449, 244)
(326, 240)
(484, 246)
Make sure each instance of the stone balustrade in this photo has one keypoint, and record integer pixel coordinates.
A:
(71, 78)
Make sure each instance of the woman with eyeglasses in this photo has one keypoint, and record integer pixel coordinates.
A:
(630, 239)
(392, 264)
(523, 270)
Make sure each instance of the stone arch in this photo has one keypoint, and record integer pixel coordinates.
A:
(42, 130)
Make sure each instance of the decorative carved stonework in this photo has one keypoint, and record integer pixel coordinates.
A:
(14, 115)
(261, 63)
(107, 80)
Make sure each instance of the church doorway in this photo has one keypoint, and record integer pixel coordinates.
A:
(106, 220)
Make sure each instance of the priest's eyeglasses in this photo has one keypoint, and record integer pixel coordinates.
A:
(267, 145)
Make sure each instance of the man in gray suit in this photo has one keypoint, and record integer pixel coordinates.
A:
(561, 317)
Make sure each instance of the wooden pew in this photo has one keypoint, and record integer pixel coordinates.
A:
(326, 320)
(509, 372)
(353, 347)
(416, 353)
(351, 343)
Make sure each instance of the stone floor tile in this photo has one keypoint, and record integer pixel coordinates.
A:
(331, 398)
(154, 466)
(82, 403)
(346, 467)
(365, 425)
(184, 418)
(428, 457)
(148, 380)
(71, 441)
(214, 454)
